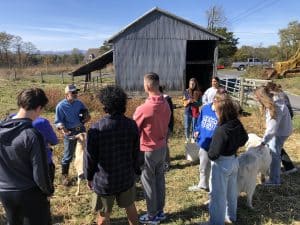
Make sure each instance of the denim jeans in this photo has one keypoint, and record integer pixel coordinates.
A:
(69, 146)
(223, 190)
(275, 145)
(187, 124)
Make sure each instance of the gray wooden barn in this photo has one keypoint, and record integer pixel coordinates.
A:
(163, 43)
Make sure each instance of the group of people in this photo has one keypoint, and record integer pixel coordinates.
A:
(219, 134)
(120, 149)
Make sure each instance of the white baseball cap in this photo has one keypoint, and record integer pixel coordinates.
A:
(71, 88)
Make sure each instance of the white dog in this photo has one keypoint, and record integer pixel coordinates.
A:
(78, 162)
(257, 159)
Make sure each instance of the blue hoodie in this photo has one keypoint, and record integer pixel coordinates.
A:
(206, 125)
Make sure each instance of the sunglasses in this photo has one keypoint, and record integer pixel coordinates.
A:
(74, 92)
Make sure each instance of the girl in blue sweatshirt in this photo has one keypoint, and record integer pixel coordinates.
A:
(204, 130)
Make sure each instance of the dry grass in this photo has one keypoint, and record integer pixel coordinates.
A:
(272, 205)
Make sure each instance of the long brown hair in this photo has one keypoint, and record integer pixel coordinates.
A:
(265, 98)
(196, 92)
(225, 108)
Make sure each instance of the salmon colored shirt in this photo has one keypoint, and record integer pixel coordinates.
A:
(152, 119)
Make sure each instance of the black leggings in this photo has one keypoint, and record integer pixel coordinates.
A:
(29, 207)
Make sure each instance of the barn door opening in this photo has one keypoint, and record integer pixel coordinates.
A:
(199, 62)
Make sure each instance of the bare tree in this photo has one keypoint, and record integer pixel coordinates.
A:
(5, 45)
(215, 17)
(18, 49)
(29, 50)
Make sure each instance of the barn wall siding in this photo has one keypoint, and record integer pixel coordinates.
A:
(134, 58)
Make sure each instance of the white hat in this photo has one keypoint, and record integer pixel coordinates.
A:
(71, 88)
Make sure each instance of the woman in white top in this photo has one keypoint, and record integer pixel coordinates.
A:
(278, 129)
(281, 97)
(210, 93)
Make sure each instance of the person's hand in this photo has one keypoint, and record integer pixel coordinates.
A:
(196, 133)
(90, 184)
(65, 131)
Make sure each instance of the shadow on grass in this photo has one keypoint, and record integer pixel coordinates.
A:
(178, 157)
(58, 219)
(183, 164)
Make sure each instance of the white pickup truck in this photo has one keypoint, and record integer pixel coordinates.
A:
(250, 62)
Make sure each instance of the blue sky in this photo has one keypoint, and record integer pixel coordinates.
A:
(66, 24)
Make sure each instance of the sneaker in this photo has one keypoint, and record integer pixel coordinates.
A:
(192, 140)
(186, 141)
(294, 170)
(161, 216)
(145, 219)
(197, 188)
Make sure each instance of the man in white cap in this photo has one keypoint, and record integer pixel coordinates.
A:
(70, 116)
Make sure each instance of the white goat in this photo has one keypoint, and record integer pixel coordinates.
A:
(257, 159)
(78, 162)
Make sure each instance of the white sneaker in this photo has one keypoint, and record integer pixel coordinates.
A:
(194, 188)
(197, 188)
(187, 141)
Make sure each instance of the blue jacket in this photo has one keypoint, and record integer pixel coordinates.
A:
(50, 138)
(206, 125)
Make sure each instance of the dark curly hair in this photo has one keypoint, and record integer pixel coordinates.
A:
(114, 99)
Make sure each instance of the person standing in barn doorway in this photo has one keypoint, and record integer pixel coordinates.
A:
(191, 102)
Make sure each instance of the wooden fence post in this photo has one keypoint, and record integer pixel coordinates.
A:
(62, 77)
(241, 91)
(42, 78)
(15, 74)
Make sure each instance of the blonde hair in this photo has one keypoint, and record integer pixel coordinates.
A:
(265, 98)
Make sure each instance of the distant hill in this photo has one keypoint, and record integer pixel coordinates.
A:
(66, 52)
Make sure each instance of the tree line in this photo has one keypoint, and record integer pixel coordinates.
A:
(16, 53)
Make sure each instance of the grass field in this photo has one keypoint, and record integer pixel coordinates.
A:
(279, 205)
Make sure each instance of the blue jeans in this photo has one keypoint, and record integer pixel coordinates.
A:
(189, 125)
(275, 145)
(223, 190)
(69, 146)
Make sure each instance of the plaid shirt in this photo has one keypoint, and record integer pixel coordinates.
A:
(111, 159)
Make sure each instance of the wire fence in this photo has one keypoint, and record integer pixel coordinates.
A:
(242, 89)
